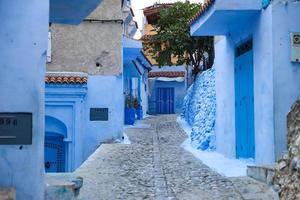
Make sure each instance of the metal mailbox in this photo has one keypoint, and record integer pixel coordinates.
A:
(15, 128)
(99, 114)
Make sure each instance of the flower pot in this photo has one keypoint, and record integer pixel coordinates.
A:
(129, 116)
(139, 112)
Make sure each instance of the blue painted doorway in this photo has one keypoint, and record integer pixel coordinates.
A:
(165, 100)
(54, 154)
(244, 101)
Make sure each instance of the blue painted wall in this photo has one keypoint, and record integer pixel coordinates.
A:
(260, 30)
(225, 122)
(66, 104)
(103, 92)
(135, 65)
(23, 39)
(130, 70)
(286, 74)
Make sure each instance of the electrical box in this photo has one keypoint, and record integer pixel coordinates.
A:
(295, 41)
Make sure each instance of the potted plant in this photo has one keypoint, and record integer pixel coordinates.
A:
(138, 108)
(129, 111)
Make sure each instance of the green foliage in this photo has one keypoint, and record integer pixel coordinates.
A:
(173, 38)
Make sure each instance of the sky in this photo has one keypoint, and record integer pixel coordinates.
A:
(138, 5)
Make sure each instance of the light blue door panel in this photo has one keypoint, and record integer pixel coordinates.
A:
(244, 106)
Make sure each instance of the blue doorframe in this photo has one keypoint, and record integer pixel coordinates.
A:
(165, 100)
(244, 102)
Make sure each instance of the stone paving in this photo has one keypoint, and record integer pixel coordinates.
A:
(155, 167)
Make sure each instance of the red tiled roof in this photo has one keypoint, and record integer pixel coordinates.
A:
(167, 74)
(155, 8)
(151, 12)
(66, 78)
(203, 9)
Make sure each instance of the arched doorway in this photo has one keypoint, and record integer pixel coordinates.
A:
(55, 148)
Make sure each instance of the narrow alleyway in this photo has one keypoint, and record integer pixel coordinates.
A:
(154, 166)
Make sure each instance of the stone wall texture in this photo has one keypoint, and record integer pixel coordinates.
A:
(287, 175)
(93, 47)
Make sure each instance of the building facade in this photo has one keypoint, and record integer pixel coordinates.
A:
(89, 110)
(23, 38)
(135, 72)
(256, 78)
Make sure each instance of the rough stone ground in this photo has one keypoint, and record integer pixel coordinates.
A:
(154, 166)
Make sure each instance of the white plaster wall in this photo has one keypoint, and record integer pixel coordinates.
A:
(78, 48)
(225, 97)
(286, 74)
(23, 39)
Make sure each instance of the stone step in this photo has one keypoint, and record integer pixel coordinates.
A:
(7, 193)
(264, 173)
(62, 186)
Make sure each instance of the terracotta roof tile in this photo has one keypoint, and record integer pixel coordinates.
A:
(151, 12)
(156, 7)
(66, 78)
(167, 74)
(203, 9)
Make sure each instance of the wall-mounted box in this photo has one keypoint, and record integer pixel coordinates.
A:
(15, 128)
(99, 114)
(295, 41)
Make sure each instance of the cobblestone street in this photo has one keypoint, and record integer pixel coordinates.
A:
(154, 166)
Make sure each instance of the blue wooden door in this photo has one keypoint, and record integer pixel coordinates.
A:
(54, 154)
(165, 100)
(244, 105)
